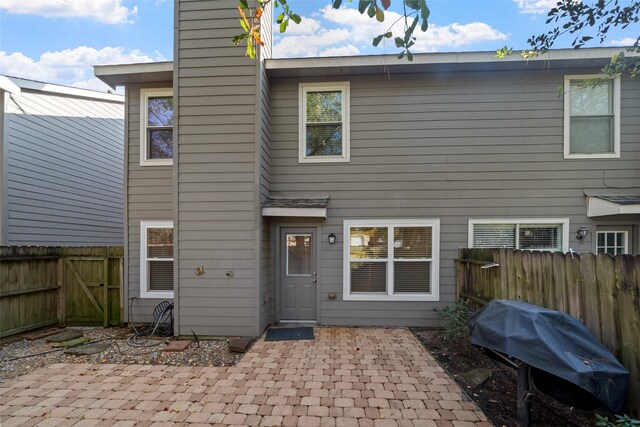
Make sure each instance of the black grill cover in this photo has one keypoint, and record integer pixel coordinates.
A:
(555, 343)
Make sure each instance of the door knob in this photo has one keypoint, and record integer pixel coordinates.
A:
(313, 277)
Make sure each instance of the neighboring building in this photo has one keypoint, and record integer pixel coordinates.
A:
(61, 165)
(339, 190)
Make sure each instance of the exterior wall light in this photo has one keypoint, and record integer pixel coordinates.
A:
(332, 238)
(581, 233)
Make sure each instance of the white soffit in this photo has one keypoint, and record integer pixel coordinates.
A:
(612, 205)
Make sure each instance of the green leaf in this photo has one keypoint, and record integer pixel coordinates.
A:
(283, 25)
(371, 11)
(409, 56)
(243, 4)
(379, 14)
(362, 6)
(251, 52)
(244, 25)
(336, 4)
(413, 4)
(399, 41)
(401, 55)
(280, 18)
(386, 4)
(377, 40)
(237, 39)
(388, 34)
(295, 18)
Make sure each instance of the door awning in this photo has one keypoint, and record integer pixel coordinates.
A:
(296, 207)
(612, 205)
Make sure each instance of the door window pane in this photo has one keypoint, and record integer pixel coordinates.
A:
(611, 242)
(299, 255)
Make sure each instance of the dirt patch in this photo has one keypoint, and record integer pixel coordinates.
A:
(497, 395)
(20, 356)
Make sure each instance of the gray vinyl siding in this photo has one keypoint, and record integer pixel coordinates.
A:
(149, 198)
(217, 175)
(453, 147)
(64, 168)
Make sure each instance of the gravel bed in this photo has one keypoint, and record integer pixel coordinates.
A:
(203, 353)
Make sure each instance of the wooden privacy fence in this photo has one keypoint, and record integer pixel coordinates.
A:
(42, 286)
(601, 291)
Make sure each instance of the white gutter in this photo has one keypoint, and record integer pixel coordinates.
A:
(440, 58)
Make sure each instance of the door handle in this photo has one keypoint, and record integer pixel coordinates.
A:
(314, 277)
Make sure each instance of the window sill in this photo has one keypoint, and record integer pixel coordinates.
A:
(592, 156)
(324, 159)
(156, 162)
(156, 295)
(417, 298)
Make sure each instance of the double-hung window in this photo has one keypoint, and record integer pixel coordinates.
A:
(156, 127)
(324, 122)
(156, 259)
(527, 234)
(391, 260)
(591, 117)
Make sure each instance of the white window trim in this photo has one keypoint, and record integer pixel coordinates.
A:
(144, 111)
(303, 89)
(435, 260)
(626, 239)
(558, 221)
(145, 292)
(567, 118)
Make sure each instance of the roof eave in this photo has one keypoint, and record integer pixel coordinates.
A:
(127, 74)
(578, 58)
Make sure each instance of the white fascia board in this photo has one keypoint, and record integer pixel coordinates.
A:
(60, 90)
(295, 212)
(7, 85)
(598, 207)
(440, 58)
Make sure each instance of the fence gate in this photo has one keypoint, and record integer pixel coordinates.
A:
(91, 291)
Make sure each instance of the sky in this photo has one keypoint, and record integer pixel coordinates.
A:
(58, 41)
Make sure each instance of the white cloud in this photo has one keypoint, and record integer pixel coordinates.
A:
(347, 50)
(352, 31)
(107, 11)
(456, 35)
(73, 67)
(627, 41)
(535, 7)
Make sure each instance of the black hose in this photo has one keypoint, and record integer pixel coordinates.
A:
(162, 325)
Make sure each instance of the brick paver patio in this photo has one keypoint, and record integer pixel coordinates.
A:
(346, 377)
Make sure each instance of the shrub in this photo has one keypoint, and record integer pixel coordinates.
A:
(620, 421)
(457, 315)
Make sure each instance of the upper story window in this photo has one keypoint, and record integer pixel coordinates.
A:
(156, 259)
(391, 260)
(324, 122)
(591, 118)
(540, 234)
(156, 127)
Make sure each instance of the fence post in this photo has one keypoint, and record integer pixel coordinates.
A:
(60, 294)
